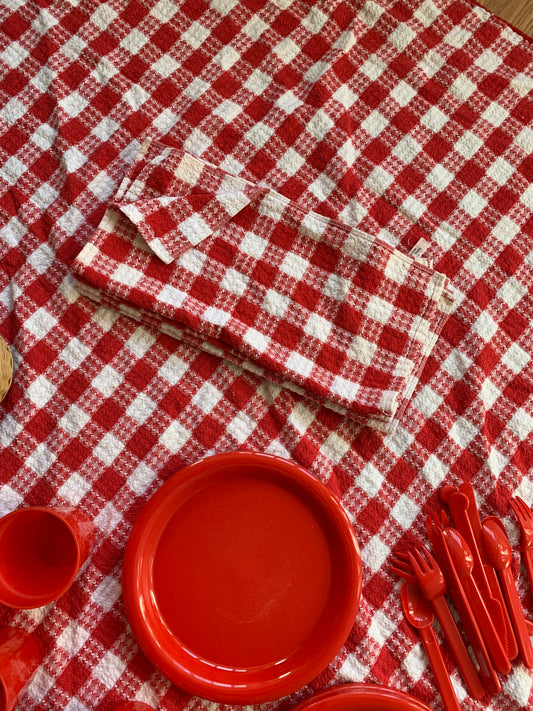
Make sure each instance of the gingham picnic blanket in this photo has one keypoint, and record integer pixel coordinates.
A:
(212, 220)
(317, 305)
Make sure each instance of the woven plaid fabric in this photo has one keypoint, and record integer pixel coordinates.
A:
(335, 312)
(178, 201)
(405, 120)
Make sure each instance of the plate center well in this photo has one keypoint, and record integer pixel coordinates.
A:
(243, 571)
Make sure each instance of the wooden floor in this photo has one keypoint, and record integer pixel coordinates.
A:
(518, 12)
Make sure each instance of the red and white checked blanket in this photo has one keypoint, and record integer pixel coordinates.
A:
(317, 305)
(277, 307)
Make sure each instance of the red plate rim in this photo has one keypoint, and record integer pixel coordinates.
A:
(180, 664)
(363, 697)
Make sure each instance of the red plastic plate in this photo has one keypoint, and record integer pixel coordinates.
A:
(242, 578)
(361, 697)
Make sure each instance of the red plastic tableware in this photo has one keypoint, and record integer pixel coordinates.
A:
(419, 613)
(507, 632)
(524, 516)
(363, 697)
(19, 659)
(460, 508)
(500, 554)
(488, 676)
(463, 562)
(41, 552)
(242, 578)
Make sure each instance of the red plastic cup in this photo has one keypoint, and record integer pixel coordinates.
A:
(19, 658)
(41, 552)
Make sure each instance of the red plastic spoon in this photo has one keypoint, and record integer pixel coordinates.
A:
(463, 561)
(419, 614)
(501, 555)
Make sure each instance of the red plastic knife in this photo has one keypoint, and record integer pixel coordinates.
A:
(489, 678)
(496, 592)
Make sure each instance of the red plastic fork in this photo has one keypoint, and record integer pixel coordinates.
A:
(487, 674)
(400, 565)
(525, 520)
(433, 585)
(420, 615)
(419, 566)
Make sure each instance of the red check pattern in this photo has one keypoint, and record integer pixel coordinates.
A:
(406, 120)
(177, 201)
(316, 304)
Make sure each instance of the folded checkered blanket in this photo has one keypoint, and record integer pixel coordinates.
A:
(240, 270)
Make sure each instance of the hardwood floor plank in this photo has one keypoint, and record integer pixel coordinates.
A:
(517, 12)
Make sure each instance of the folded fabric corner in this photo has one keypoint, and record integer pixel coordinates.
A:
(240, 270)
(177, 203)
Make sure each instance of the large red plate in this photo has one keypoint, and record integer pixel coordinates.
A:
(361, 697)
(242, 578)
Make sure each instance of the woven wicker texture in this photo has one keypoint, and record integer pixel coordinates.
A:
(6, 369)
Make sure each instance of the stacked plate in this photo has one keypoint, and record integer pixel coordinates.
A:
(242, 578)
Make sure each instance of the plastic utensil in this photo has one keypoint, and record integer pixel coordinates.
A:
(433, 585)
(41, 552)
(458, 505)
(489, 678)
(242, 578)
(419, 614)
(445, 492)
(401, 565)
(467, 489)
(501, 555)
(525, 520)
(19, 659)
(463, 561)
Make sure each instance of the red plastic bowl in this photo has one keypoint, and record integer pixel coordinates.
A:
(242, 578)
